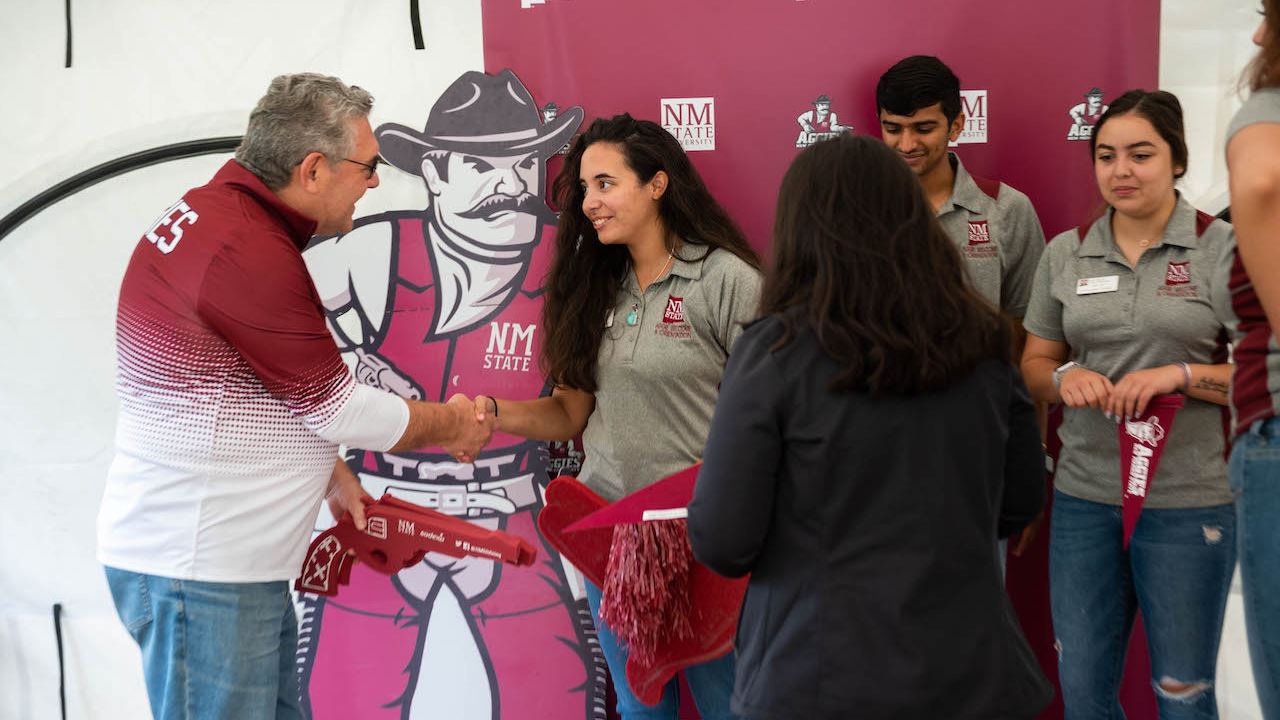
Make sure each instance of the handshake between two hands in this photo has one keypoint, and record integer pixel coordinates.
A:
(473, 422)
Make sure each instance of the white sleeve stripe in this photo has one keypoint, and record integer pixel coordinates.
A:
(370, 419)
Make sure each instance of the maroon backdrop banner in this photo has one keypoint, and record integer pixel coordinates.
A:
(1026, 69)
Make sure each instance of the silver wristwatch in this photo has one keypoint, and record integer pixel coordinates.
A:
(1063, 369)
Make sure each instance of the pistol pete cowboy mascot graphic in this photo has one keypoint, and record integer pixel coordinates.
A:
(428, 303)
(820, 123)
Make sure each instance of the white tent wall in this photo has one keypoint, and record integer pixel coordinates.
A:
(151, 72)
(1203, 47)
(145, 73)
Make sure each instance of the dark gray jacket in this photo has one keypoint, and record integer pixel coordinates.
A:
(869, 529)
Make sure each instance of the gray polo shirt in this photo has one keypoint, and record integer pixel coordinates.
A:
(998, 234)
(658, 380)
(1163, 311)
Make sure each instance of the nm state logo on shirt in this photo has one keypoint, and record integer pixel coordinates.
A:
(1177, 281)
(980, 245)
(674, 324)
(675, 310)
(979, 234)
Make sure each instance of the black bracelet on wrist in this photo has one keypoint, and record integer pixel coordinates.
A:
(493, 400)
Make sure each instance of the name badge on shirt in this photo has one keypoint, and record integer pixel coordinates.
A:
(1089, 286)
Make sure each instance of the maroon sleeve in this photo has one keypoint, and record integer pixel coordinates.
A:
(256, 294)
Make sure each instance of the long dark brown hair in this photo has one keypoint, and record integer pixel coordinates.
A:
(1264, 70)
(861, 262)
(586, 275)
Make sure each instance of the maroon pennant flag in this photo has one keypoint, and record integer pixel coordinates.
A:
(1141, 444)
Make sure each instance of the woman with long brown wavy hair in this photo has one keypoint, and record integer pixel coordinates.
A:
(648, 292)
(1253, 162)
(872, 439)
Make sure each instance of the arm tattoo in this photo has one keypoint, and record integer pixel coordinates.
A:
(1212, 385)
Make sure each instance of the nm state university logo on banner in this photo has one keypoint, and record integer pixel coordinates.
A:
(691, 120)
(973, 103)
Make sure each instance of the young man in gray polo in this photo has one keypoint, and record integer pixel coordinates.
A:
(993, 225)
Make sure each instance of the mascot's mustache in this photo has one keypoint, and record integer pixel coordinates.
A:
(494, 204)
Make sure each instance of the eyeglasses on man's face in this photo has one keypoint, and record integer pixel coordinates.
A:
(369, 168)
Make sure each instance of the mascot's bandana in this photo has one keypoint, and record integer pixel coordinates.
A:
(1141, 444)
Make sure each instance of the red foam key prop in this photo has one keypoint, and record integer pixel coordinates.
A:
(398, 535)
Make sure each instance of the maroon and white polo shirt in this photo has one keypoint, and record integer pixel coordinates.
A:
(233, 396)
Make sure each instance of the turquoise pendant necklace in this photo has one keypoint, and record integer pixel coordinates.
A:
(633, 316)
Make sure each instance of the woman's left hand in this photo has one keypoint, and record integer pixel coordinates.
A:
(1136, 389)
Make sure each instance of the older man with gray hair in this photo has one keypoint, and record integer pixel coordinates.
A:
(233, 402)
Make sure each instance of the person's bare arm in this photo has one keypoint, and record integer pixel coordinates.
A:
(1253, 162)
(562, 416)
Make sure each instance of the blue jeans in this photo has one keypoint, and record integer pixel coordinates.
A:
(212, 650)
(1255, 479)
(711, 682)
(1177, 571)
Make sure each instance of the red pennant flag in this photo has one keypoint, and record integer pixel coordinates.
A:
(1141, 444)
(666, 499)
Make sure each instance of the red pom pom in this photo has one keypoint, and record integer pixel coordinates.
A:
(645, 599)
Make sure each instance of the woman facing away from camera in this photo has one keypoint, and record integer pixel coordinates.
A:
(872, 440)
(1253, 162)
(651, 285)
(1124, 310)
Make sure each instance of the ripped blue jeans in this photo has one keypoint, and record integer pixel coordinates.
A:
(1177, 571)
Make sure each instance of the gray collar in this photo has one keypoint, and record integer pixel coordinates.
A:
(965, 193)
(1181, 231)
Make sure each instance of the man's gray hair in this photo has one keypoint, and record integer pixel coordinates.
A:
(300, 114)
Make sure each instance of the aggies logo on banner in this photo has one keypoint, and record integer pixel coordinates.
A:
(550, 112)
(1085, 115)
(692, 121)
(820, 123)
(674, 324)
(1177, 281)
